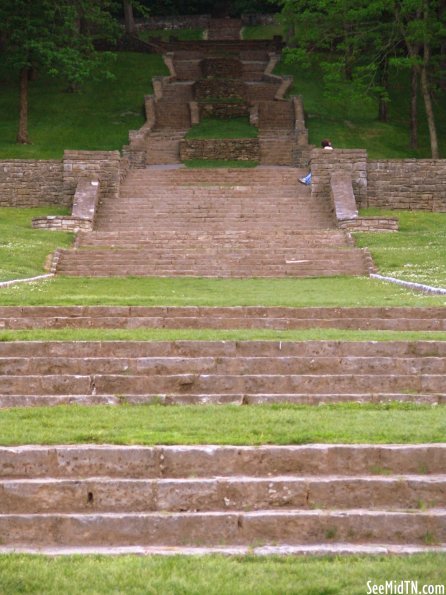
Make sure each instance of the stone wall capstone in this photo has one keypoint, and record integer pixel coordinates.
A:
(31, 183)
(418, 184)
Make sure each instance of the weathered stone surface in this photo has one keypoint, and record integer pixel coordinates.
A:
(240, 149)
(31, 183)
(418, 184)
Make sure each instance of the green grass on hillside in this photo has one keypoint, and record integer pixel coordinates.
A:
(262, 31)
(416, 253)
(189, 291)
(224, 424)
(98, 117)
(217, 128)
(215, 575)
(355, 125)
(23, 250)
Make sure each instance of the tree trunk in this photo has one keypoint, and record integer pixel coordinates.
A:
(128, 17)
(425, 88)
(413, 110)
(429, 112)
(22, 135)
(383, 103)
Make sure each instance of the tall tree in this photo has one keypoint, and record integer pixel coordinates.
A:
(56, 36)
(365, 36)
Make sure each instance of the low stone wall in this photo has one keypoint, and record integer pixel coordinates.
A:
(31, 183)
(62, 223)
(222, 68)
(218, 88)
(418, 184)
(239, 149)
(196, 21)
(34, 183)
(379, 224)
(223, 110)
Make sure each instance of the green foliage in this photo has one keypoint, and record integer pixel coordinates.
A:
(57, 36)
(349, 423)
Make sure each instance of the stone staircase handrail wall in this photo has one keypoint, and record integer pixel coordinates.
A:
(83, 212)
(341, 193)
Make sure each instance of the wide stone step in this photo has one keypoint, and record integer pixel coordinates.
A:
(222, 348)
(225, 528)
(222, 365)
(204, 461)
(94, 495)
(209, 384)
(386, 318)
(51, 400)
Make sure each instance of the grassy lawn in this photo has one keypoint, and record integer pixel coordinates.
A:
(416, 253)
(214, 575)
(188, 291)
(98, 117)
(217, 128)
(163, 334)
(23, 250)
(400, 423)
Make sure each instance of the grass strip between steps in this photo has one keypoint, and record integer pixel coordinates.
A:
(402, 423)
(206, 334)
(217, 575)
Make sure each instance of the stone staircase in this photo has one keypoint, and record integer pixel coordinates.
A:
(224, 29)
(236, 317)
(214, 223)
(238, 500)
(221, 372)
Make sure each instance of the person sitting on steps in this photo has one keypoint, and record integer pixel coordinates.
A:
(325, 144)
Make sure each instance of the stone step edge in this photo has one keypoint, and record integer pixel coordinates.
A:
(270, 550)
(12, 401)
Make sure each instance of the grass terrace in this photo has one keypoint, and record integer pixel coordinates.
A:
(394, 423)
(214, 575)
(217, 128)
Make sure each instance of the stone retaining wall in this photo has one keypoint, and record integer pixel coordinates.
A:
(379, 224)
(418, 184)
(35, 183)
(240, 149)
(218, 88)
(31, 183)
(223, 110)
